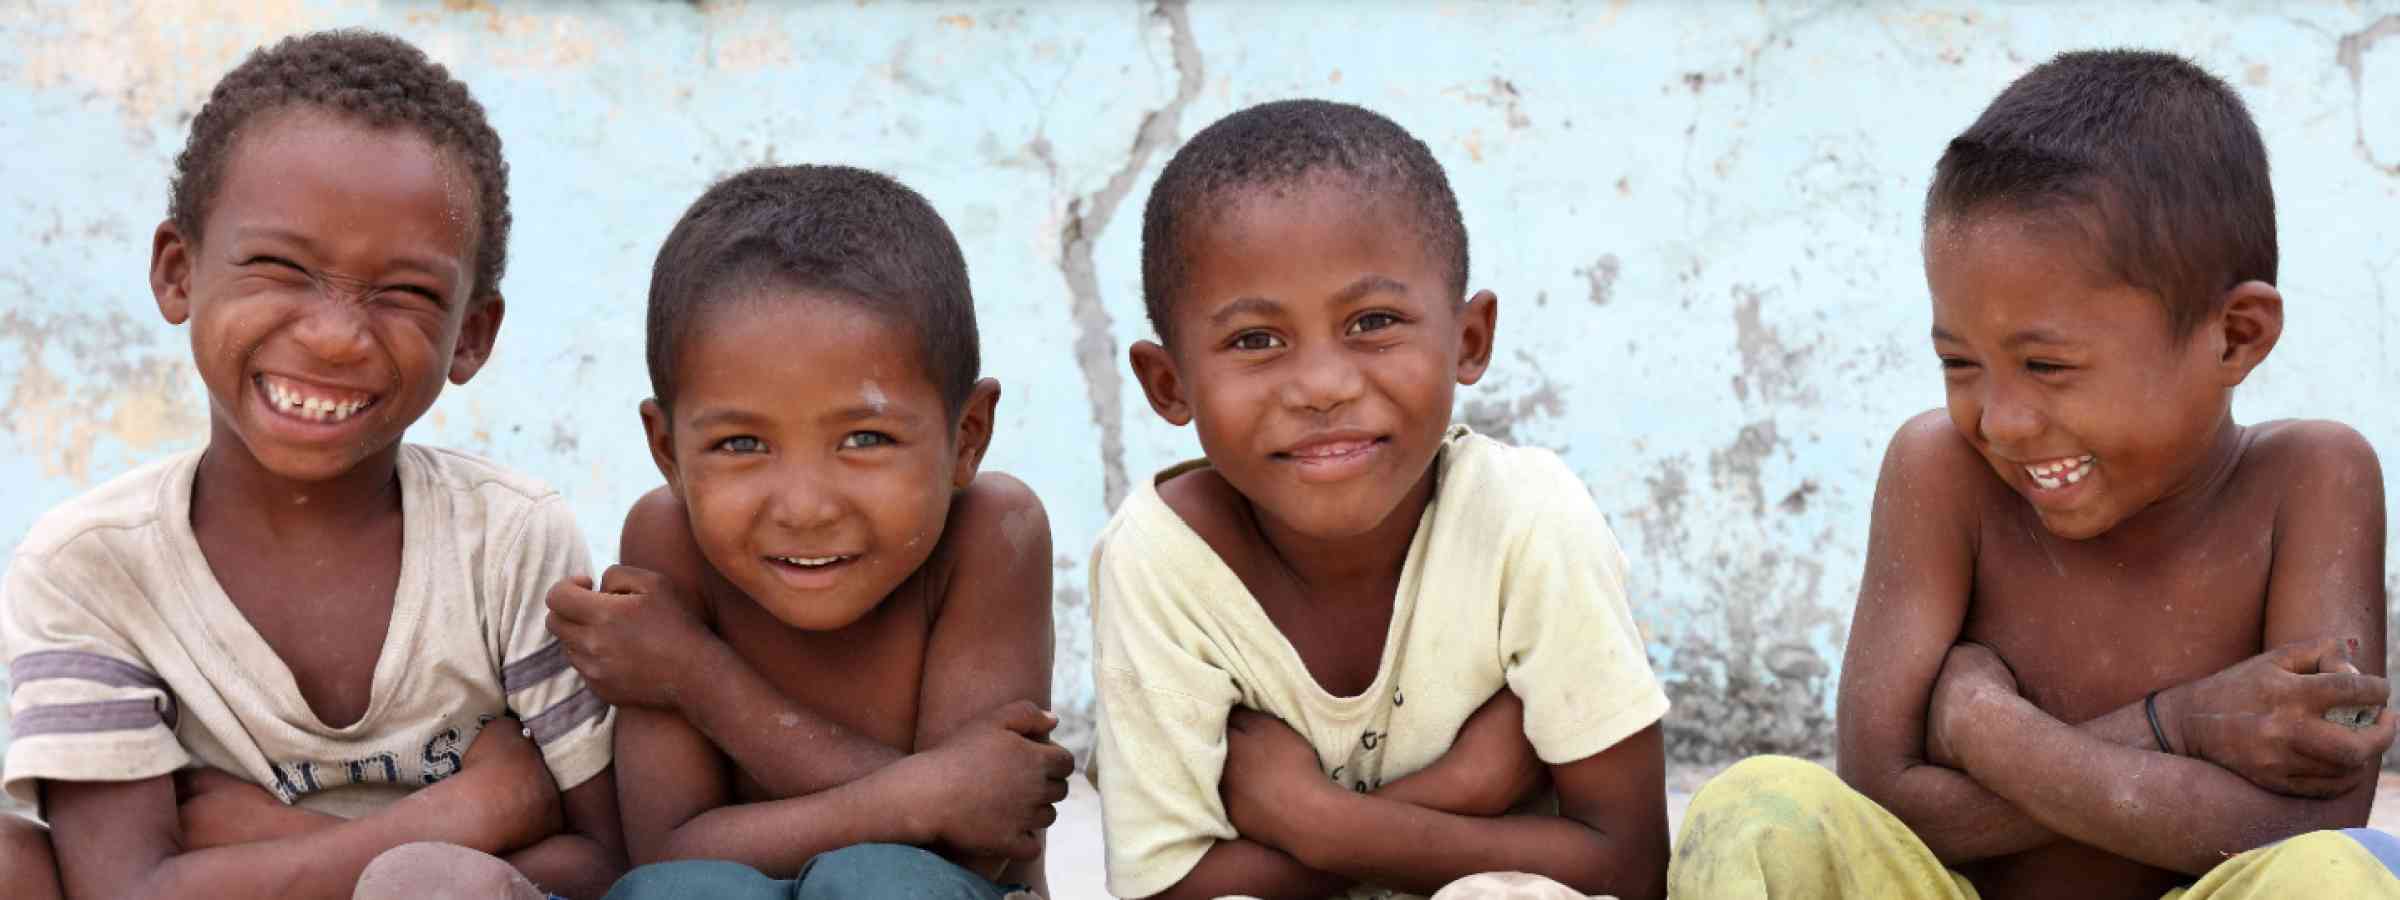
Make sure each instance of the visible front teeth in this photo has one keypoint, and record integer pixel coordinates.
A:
(810, 561)
(316, 409)
(2054, 475)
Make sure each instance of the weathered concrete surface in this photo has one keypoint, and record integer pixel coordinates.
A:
(1701, 220)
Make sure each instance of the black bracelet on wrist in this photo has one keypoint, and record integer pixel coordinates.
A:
(2150, 709)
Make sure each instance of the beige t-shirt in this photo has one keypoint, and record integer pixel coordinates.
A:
(127, 660)
(1513, 579)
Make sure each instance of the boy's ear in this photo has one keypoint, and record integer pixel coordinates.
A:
(1154, 367)
(475, 336)
(1477, 321)
(2248, 327)
(661, 437)
(171, 272)
(974, 435)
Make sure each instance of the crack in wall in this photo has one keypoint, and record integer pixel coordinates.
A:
(1087, 217)
(2350, 53)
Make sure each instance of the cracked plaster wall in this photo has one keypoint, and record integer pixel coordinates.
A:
(1701, 220)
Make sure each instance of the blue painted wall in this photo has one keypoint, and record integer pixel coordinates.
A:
(1701, 219)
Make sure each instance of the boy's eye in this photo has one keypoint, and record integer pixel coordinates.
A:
(1374, 321)
(860, 440)
(274, 262)
(1256, 340)
(2045, 367)
(1953, 364)
(740, 443)
(413, 292)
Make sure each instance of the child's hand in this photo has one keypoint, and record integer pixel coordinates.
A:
(1268, 766)
(516, 802)
(216, 809)
(1489, 768)
(631, 639)
(2265, 720)
(1971, 673)
(991, 787)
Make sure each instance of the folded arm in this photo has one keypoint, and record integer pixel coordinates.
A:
(126, 839)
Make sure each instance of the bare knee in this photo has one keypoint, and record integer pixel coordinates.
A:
(26, 864)
(431, 871)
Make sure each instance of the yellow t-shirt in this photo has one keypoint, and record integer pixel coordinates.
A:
(127, 660)
(1513, 579)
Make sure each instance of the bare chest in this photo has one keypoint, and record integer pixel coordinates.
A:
(1340, 637)
(324, 607)
(2089, 628)
(865, 678)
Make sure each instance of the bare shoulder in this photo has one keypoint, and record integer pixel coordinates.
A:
(2309, 448)
(996, 541)
(2315, 468)
(1930, 466)
(658, 537)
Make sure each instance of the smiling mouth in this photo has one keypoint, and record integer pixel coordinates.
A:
(1330, 451)
(309, 402)
(811, 563)
(2053, 474)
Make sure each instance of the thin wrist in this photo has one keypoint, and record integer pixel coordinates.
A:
(1326, 812)
(1984, 709)
(710, 660)
(904, 792)
(2167, 706)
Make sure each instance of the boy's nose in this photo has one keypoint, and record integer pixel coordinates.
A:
(1325, 378)
(2008, 420)
(335, 329)
(804, 502)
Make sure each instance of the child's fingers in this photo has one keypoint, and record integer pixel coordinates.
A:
(577, 602)
(2326, 690)
(1024, 718)
(1054, 790)
(1057, 762)
(2307, 657)
(2319, 788)
(2346, 747)
(623, 579)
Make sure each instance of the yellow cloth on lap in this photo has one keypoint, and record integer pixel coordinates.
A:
(1788, 829)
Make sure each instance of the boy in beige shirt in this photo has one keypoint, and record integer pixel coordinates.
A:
(1356, 650)
(249, 670)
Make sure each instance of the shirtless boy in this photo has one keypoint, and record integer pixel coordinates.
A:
(249, 670)
(831, 633)
(2102, 624)
(1311, 646)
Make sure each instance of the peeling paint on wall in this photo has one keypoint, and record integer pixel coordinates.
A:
(81, 380)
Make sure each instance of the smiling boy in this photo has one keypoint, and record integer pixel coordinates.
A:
(2102, 624)
(832, 629)
(1348, 651)
(249, 670)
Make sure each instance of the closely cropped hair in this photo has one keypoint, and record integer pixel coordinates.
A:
(845, 231)
(2155, 159)
(1274, 145)
(377, 79)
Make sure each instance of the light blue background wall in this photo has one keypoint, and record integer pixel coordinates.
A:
(1701, 219)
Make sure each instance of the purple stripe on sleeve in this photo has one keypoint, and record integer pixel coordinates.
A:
(562, 717)
(537, 667)
(76, 664)
(88, 718)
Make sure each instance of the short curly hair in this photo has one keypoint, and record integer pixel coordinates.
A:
(856, 235)
(1277, 144)
(375, 78)
(2155, 160)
